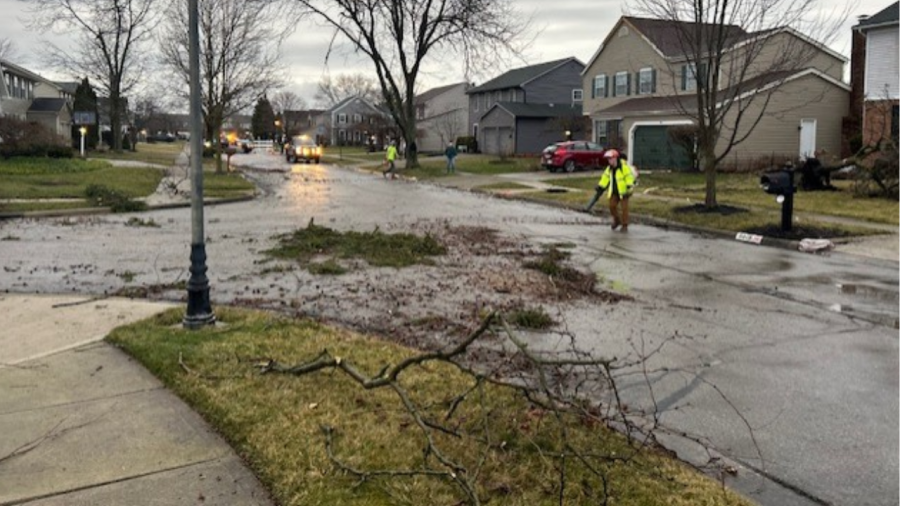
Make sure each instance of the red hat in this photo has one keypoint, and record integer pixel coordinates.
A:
(611, 153)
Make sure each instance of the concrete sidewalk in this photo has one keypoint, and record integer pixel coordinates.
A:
(84, 424)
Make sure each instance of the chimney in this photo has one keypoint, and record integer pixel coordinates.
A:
(857, 72)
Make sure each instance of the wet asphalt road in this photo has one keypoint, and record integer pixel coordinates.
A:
(787, 354)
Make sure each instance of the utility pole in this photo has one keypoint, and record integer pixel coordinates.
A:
(199, 311)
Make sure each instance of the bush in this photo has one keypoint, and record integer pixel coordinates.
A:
(116, 201)
(27, 138)
(60, 152)
(469, 142)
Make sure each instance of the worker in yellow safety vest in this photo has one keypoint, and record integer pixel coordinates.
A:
(618, 182)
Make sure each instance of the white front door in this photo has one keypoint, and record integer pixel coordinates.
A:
(807, 138)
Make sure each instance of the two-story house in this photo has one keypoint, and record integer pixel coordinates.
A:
(302, 122)
(28, 96)
(350, 122)
(442, 115)
(876, 84)
(524, 110)
(643, 87)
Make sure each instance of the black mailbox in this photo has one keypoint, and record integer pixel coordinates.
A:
(781, 183)
(777, 183)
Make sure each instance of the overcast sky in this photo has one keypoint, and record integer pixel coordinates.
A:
(564, 28)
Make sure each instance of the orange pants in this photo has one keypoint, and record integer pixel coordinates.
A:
(614, 202)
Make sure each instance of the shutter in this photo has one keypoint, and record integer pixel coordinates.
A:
(613, 91)
(594, 88)
(637, 82)
(653, 81)
(683, 77)
(628, 83)
(605, 85)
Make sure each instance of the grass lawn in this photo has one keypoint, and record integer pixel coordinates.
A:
(158, 153)
(225, 185)
(275, 422)
(46, 178)
(750, 218)
(743, 190)
(481, 164)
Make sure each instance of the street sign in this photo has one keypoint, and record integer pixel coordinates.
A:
(84, 118)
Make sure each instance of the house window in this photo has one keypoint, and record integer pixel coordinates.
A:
(622, 88)
(599, 86)
(342, 119)
(476, 99)
(600, 136)
(342, 135)
(646, 81)
(577, 95)
(498, 96)
(689, 76)
(357, 118)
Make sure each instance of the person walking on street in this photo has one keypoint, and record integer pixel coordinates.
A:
(618, 181)
(450, 153)
(389, 157)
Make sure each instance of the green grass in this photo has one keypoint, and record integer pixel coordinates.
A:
(484, 164)
(45, 178)
(669, 210)
(744, 190)
(24, 207)
(226, 185)
(308, 245)
(161, 153)
(275, 422)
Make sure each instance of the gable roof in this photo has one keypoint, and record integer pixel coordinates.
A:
(434, 92)
(886, 17)
(664, 35)
(520, 110)
(516, 78)
(347, 101)
(47, 105)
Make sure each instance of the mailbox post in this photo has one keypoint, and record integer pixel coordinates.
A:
(781, 183)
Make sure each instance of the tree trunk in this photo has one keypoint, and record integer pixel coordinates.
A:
(708, 157)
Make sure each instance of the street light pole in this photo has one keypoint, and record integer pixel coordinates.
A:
(82, 131)
(199, 311)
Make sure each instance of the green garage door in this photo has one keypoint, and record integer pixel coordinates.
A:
(653, 149)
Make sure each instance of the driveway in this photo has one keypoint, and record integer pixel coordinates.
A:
(765, 351)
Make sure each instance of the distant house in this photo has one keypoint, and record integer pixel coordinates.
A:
(28, 96)
(350, 122)
(641, 83)
(493, 116)
(875, 74)
(301, 122)
(442, 115)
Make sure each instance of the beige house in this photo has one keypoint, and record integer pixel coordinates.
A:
(28, 96)
(442, 115)
(640, 88)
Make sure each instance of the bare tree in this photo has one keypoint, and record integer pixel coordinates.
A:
(7, 49)
(238, 56)
(287, 101)
(449, 126)
(399, 36)
(332, 91)
(737, 54)
(109, 39)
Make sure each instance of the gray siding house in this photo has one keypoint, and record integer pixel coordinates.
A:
(525, 109)
(642, 89)
(350, 122)
(28, 96)
(442, 115)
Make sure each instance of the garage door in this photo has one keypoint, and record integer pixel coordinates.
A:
(653, 149)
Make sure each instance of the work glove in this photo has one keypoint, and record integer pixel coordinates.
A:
(629, 190)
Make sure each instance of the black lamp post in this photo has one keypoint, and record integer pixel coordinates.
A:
(199, 311)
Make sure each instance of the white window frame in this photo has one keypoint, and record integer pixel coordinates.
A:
(577, 95)
(690, 77)
(357, 118)
(342, 119)
(600, 86)
(645, 81)
(624, 78)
